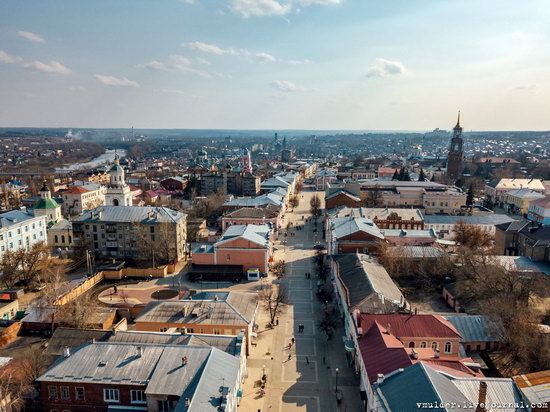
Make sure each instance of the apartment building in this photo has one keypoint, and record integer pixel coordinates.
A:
(20, 229)
(133, 232)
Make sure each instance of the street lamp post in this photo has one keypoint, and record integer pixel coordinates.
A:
(336, 380)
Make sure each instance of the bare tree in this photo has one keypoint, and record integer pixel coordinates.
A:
(77, 312)
(279, 269)
(273, 300)
(315, 206)
(294, 201)
(472, 236)
(374, 197)
(327, 323)
(299, 186)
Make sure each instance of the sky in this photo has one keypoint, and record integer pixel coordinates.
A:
(275, 64)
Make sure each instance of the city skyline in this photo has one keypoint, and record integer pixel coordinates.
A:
(274, 64)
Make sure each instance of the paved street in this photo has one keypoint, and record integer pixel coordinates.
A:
(307, 381)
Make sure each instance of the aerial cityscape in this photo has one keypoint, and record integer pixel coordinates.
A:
(274, 205)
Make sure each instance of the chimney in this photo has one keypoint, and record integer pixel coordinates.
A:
(66, 351)
(414, 355)
(139, 351)
(415, 311)
(215, 298)
(380, 378)
(482, 397)
(436, 354)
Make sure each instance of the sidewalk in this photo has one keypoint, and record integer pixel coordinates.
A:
(306, 381)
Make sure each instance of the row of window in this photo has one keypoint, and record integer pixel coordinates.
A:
(65, 393)
(9, 233)
(3, 248)
(111, 395)
(62, 239)
(447, 348)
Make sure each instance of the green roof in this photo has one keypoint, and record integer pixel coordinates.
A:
(46, 204)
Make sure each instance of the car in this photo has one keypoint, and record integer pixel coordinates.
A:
(319, 246)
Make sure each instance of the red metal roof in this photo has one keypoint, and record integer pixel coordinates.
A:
(76, 189)
(382, 352)
(412, 326)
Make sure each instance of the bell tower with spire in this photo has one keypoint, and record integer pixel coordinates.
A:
(118, 192)
(456, 153)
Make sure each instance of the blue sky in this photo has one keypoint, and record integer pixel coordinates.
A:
(275, 64)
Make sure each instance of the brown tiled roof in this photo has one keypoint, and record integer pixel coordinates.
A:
(413, 326)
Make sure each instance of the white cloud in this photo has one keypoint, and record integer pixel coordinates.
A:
(385, 68)
(251, 8)
(265, 57)
(48, 67)
(299, 62)
(200, 60)
(205, 47)
(306, 3)
(286, 86)
(8, 58)
(216, 50)
(31, 36)
(116, 81)
(175, 63)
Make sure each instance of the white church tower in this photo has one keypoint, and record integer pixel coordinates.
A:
(118, 193)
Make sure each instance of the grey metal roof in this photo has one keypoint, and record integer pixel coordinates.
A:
(474, 328)
(500, 391)
(227, 344)
(258, 234)
(419, 383)
(15, 217)
(171, 376)
(363, 277)
(73, 338)
(238, 309)
(105, 363)
(221, 371)
(345, 226)
(495, 219)
(416, 252)
(131, 214)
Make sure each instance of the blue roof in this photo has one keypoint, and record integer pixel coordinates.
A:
(403, 390)
(474, 328)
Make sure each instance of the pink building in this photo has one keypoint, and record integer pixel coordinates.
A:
(246, 246)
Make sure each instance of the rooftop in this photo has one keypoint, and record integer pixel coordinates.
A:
(134, 214)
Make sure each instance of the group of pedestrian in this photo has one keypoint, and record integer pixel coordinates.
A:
(300, 328)
(308, 275)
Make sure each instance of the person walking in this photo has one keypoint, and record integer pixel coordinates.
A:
(289, 356)
(293, 340)
(307, 360)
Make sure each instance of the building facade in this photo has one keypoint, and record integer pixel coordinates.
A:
(118, 193)
(47, 207)
(133, 232)
(21, 230)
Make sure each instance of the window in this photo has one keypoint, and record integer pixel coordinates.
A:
(423, 344)
(163, 329)
(137, 396)
(56, 239)
(411, 344)
(434, 346)
(65, 395)
(52, 393)
(80, 393)
(227, 257)
(216, 332)
(164, 406)
(448, 347)
(111, 395)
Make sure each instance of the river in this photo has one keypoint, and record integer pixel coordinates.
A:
(107, 157)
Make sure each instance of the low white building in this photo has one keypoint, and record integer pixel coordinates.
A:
(20, 229)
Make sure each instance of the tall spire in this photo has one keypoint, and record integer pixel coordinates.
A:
(458, 120)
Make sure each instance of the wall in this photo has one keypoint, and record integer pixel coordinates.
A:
(139, 272)
(10, 333)
(80, 289)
